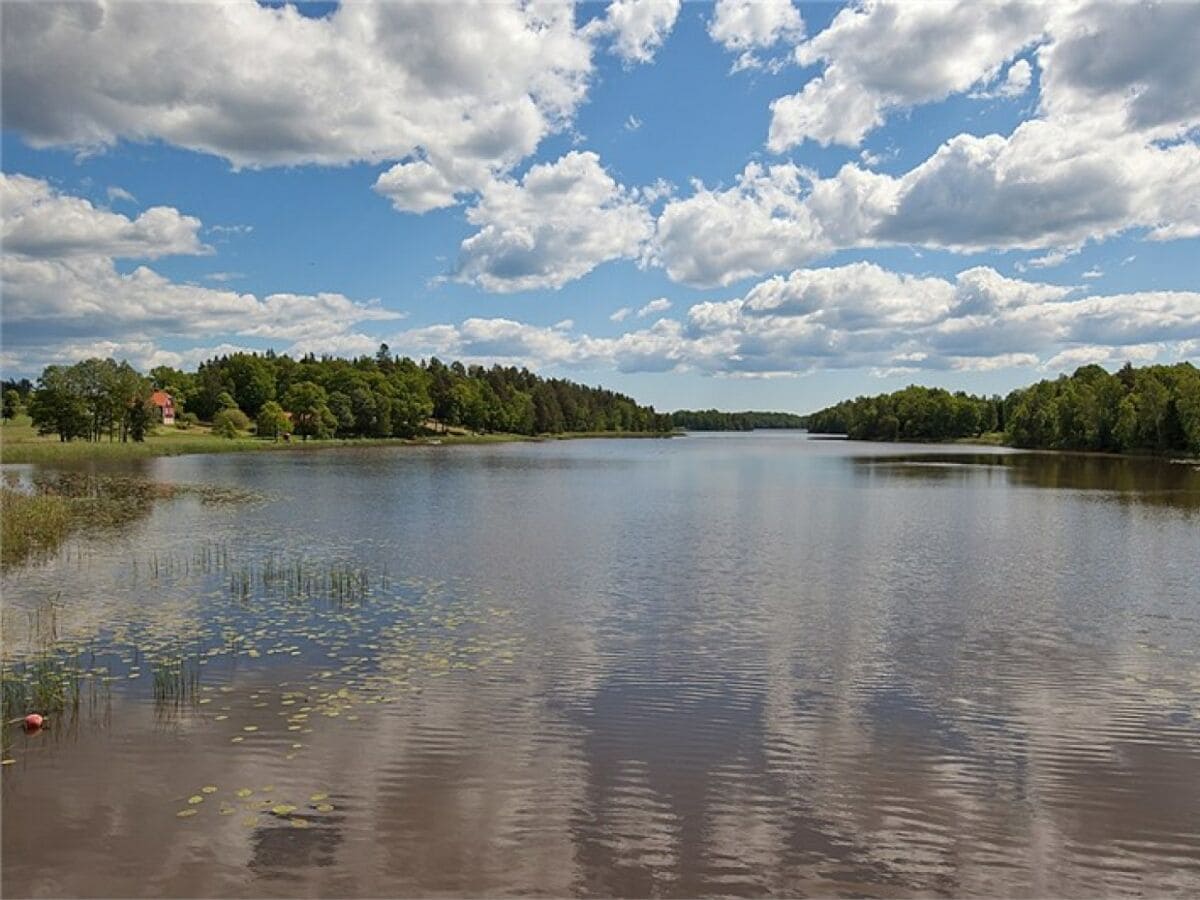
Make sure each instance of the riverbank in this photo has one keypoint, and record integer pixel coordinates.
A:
(20, 443)
(999, 439)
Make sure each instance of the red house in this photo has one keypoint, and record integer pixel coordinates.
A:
(165, 405)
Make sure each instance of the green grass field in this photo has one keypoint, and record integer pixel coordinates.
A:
(20, 443)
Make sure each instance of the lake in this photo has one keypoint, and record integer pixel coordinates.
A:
(722, 664)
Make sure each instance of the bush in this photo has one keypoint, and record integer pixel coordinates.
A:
(186, 420)
(228, 422)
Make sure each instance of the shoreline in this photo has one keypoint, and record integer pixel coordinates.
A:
(991, 440)
(49, 452)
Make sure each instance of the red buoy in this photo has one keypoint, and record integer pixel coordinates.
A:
(33, 722)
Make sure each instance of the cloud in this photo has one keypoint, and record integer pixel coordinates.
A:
(1113, 148)
(63, 290)
(224, 276)
(556, 224)
(633, 123)
(141, 354)
(662, 304)
(716, 237)
(1071, 359)
(468, 92)
(743, 26)
(418, 187)
(119, 193)
(230, 229)
(855, 316)
(880, 57)
(620, 315)
(1016, 82)
(40, 222)
(637, 27)
(1132, 65)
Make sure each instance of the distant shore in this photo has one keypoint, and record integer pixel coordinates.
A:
(998, 439)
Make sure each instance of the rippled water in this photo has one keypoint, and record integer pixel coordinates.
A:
(747, 664)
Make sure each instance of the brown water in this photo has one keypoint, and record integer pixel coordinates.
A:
(741, 665)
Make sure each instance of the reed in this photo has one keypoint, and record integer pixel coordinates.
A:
(33, 524)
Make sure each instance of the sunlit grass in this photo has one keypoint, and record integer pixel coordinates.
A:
(31, 524)
(38, 518)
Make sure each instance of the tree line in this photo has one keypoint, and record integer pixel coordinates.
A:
(715, 420)
(371, 396)
(1152, 408)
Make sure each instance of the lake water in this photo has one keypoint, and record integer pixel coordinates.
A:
(726, 664)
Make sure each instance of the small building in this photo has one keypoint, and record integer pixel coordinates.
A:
(165, 406)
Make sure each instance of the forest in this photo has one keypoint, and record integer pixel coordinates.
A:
(1148, 409)
(272, 394)
(750, 420)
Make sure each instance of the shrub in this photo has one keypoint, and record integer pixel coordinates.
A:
(228, 422)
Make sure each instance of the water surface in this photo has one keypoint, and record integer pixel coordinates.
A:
(725, 664)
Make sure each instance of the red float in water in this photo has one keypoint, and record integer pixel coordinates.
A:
(33, 722)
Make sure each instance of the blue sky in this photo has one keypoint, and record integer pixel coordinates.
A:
(822, 200)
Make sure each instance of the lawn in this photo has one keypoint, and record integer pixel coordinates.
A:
(20, 443)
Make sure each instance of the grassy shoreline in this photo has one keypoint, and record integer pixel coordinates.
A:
(998, 439)
(19, 443)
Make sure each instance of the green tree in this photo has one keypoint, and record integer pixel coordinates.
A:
(272, 421)
(139, 417)
(252, 379)
(309, 406)
(343, 412)
(12, 403)
(57, 406)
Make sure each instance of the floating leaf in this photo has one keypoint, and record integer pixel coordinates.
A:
(243, 792)
(299, 823)
(209, 789)
(317, 798)
(324, 807)
(194, 799)
(283, 809)
(184, 813)
(249, 728)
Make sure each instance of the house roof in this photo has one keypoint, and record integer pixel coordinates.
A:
(161, 398)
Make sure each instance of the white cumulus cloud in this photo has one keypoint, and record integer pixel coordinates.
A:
(467, 88)
(744, 26)
(637, 27)
(63, 290)
(41, 222)
(716, 237)
(556, 224)
(885, 56)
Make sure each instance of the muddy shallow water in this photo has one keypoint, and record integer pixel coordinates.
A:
(727, 664)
